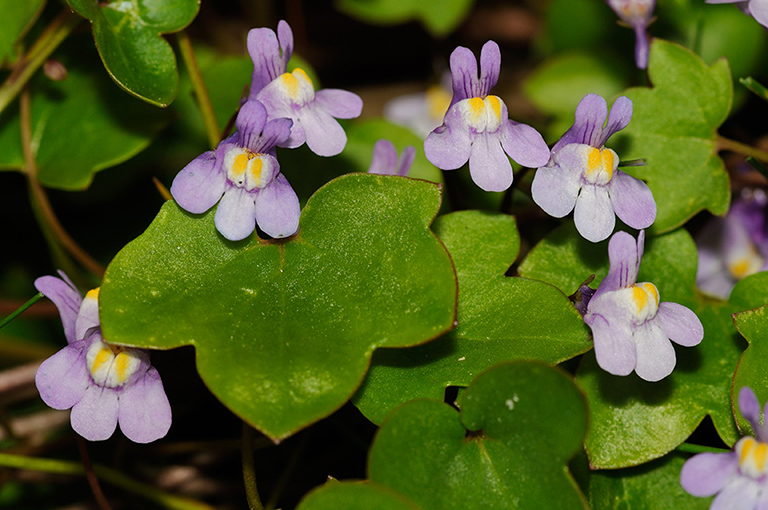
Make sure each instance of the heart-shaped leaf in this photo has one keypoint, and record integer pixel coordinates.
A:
(284, 330)
(499, 318)
(355, 496)
(440, 18)
(128, 35)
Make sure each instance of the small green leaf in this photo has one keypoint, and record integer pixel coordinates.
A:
(284, 330)
(499, 318)
(18, 17)
(674, 129)
(355, 496)
(128, 34)
(519, 424)
(755, 87)
(440, 17)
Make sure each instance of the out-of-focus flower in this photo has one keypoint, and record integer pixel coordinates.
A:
(384, 159)
(243, 169)
(582, 175)
(293, 96)
(758, 9)
(477, 129)
(739, 477)
(637, 14)
(103, 384)
(733, 247)
(421, 112)
(631, 328)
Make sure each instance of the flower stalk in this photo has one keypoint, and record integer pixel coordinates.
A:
(201, 91)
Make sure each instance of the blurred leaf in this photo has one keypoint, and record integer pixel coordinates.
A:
(440, 17)
(128, 34)
(755, 87)
(17, 18)
(499, 318)
(355, 496)
(284, 330)
(579, 24)
(674, 128)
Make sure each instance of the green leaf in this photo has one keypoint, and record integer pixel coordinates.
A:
(440, 17)
(80, 125)
(128, 34)
(519, 424)
(499, 318)
(284, 330)
(651, 486)
(18, 17)
(355, 496)
(674, 128)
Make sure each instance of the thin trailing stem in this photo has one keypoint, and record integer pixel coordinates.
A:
(741, 148)
(48, 41)
(21, 309)
(41, 204)
(696, 448)
(101, 499)
(106, 474)
(249, 471)
(201, 92)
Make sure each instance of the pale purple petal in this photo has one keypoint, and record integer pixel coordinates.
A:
(338, 103)
(384, 159)
(199, 185)
(706, 474)
(285, 36)
(325, 136)
(614, 348)
(448, 147)
(275, 133)
(488, 165)
(144, 411)
(655, 354)
(66, 297)
(490, 66)
(632, 200)
(277, 208)
(593, 214)
(236, 215)
(63, 378)
(642, 47)
(680, 324)
(618, 119)
(95, 416)
(588, 126)
(749, 407)
(250, 122)
(740, 494)
(724, 1)
(624, 256)
(762, 502)
(88, 317)
(524, 144)
(463, 74)
(277, 103)
(407, 158)
(555, 189)
(268, 64)
(759, 10)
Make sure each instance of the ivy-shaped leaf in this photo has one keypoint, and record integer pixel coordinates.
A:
(18, 17)
(499, 318)
(440, 18)
(128, 34)
(357, 496)
(80, 125)
(674, 129)
(284, 330)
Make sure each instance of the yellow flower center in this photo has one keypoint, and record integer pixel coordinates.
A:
(600, 165)
(249, 170)
(752, 457)
(438, 101)
(641, 301)
(112, 366)
(482, 114)
(745, 263)
(297, 86)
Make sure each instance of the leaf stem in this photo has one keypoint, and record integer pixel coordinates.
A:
(249, 471)
(741, 148)
(697, 448)
(40, 202)
(48, 41)
(106, 474)
(21, 309)
(201, 92)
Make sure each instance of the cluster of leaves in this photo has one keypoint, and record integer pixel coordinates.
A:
(391, 300)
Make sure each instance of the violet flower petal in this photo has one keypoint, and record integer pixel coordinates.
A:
(277, 208)
(63, 378)
(680, 324)
(268, 64)
(624, 256)
(749, 407)
(236, 215)
(740, 494)
(463, 74)
(199, 185)
(250, 122)
(618, 119)
(325, 136)
(655, 353)
(95, 416)
(490, 67)
(759, 11)
(384, 159)
(407, 157)
(449, 146)
(338, 103)
(88, 317)
(555, 190)
(632, 200)
(144, 412)
(285, 36)
(524, 144)
(275, 133)
(642, 47)
(67, 299)
(614, 349)
(588, 125)
(706, 474)
(488, 165)
(593, 214)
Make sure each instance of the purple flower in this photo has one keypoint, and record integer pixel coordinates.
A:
(292, 95)
(243, 169)
(737, 477)
(758, 9)
(631, 328)
(582, 175)
(733, 247)
(637, 14)
(476, 127)
(421, 112)
(103, 384)
(384, 160)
